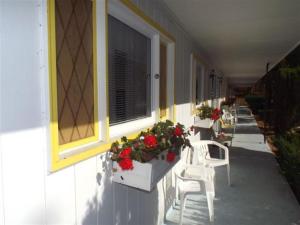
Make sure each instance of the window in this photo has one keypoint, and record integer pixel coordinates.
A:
(73, 77)
(197, 81)
(74, 70)
(129, 73)
(115, 70)
(199, 86)
(163, 81)
(213, 84)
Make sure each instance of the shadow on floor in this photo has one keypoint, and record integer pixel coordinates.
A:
(259, 195)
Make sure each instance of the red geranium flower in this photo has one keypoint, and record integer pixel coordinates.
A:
(216, 114)
(125, 153)
(150, 141)
(178, 131)
(171, 156)
(126, 164)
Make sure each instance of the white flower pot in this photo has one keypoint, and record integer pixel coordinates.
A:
(206, 123)
(143, 175)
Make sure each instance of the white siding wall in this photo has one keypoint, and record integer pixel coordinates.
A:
(82, 193)
(1, 77)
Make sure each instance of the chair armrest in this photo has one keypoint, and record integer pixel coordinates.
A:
(223, 147)
(211, 142)
(209, 173)
(186, 178)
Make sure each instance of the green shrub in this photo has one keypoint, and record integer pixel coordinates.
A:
(289, 158)
(204, 112)
(256, 103)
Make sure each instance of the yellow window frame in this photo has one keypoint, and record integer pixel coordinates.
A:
(56, 147)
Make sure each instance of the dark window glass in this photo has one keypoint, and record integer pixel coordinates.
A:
(198, 84)
(129, 55)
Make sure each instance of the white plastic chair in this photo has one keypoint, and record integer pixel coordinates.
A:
(189, 184)
(234, 112)
(190, 178)
(227, 117)
(202, 156)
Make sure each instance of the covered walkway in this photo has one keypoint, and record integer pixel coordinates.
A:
(259, 194)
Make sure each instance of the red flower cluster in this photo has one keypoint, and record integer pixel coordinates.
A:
(171, 156)
(150, 141)
(216, 114)
(125, 163)
(163, 137)
(178, 131)
(125, 153)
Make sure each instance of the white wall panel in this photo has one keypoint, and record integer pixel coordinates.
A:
(23, 177)
(1, 183)
(133, 206)
(86, 191)
(104, 191)
(60, 197)
(149, 207)
(1, 77)
(120, 204)
(161, 190)
(23, 140)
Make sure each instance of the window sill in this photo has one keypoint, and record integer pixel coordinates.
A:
(80, 149)
(124, 129)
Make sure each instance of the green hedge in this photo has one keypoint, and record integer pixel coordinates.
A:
(289, 159)
(256, 103)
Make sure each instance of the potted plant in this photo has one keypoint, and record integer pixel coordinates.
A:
(141, 162)
(206, 116)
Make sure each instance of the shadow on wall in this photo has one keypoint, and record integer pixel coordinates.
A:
(169, 193)
(116, 204)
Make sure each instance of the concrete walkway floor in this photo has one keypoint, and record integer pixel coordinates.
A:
(259, 194)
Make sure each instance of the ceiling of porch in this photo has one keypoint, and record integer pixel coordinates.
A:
(241, 36)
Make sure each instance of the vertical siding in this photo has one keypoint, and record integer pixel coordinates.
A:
(1, 191)
(22, 134)
(105, 194)
(120, 204)
(61, 197)
(1, 90)
(82, 193)
(86, 191)
(134, 209)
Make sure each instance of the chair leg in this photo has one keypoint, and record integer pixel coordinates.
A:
(176, 191)
(210, 187)
(210, 203)
(228, 174)
(182, 205)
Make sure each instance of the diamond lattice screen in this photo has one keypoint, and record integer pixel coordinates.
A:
(74, 58)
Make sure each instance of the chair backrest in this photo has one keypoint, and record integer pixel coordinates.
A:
(200, 152)
(186, 155)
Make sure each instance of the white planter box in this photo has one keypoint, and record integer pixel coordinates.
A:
(144, 175)
(206, 123)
